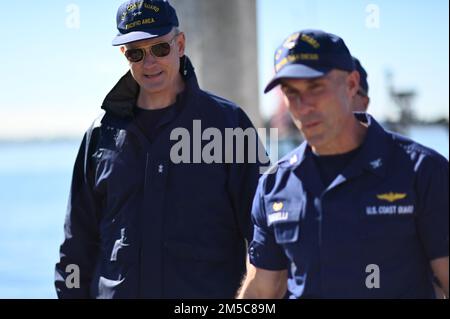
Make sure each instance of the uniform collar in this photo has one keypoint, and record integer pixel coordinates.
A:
(375, 150)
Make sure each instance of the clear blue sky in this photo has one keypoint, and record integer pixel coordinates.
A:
(411, 41)
(54, 77)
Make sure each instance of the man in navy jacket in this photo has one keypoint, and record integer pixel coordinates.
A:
(141, 223)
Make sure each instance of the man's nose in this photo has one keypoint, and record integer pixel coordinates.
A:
(301, 105)
(149, 59)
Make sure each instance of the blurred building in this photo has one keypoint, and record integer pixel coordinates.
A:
(222, 43)
(403, 102)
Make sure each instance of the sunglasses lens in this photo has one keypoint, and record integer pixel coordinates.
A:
(134, 55)
(161, 50)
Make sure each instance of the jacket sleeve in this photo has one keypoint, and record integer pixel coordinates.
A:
(243, 178)
(81, 244)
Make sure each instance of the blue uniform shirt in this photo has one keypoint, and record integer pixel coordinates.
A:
(371, 233)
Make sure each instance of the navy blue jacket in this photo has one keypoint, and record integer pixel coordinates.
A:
(386, 214)
(140, 226)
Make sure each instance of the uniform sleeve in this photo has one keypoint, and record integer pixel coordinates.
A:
(81, 243)
(432, 187)
(264, 252)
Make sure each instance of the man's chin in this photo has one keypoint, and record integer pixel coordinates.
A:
(314, 140)
(153, 88)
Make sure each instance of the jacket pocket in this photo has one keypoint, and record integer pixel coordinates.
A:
(117, 273)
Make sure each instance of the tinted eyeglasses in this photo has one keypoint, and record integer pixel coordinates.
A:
(158, 50)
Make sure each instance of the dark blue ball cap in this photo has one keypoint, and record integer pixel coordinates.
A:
(310, 54)
(362, 76)
(144, 19)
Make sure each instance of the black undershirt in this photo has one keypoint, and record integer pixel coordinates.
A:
(330, 166)
(149, 120)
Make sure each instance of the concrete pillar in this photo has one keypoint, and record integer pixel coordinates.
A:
(222, 44)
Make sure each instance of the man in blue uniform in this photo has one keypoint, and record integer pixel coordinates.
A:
(141, 224)
(355, 211)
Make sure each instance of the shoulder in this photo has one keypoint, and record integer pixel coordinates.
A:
(219, 109)
(102, 132)
(217, 101)
(282, 168)
(416, 154)
(98, 121)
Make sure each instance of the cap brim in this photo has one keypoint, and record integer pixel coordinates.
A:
(134, 36)
(296, 71)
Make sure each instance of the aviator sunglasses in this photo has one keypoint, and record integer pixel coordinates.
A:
(158, 50)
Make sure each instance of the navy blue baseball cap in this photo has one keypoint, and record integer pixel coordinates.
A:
(362, 77)
(310, 54)
(144, 19)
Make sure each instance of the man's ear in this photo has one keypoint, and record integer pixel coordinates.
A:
(122, 49)
(353, 83)
(181, 42)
